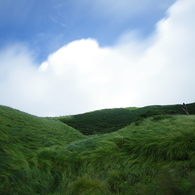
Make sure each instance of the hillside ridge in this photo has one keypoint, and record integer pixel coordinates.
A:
(110, 120)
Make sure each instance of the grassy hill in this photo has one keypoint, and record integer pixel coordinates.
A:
(40, 156)
(109, 120)
(34, 132)
(21, 134)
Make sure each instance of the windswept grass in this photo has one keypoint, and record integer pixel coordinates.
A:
(21, 135)
(134, 160)
(156, 157)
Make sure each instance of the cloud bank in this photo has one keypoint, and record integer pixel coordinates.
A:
(82, 76)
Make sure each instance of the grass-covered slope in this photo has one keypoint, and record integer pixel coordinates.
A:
(34, 132)
(21, 135)
(109, 120)
(156, 157)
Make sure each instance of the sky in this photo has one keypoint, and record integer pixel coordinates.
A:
(67, 57)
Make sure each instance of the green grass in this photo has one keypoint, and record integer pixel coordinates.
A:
(155, 157)
(110, 120)
(21, 135)
(34, 132)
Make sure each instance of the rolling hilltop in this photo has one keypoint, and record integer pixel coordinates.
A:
(148, 150)
(109, 120)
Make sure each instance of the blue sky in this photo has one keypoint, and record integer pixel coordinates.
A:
(47, 25)
(63, 57)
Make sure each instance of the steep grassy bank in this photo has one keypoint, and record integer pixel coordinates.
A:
(155, 157)
(21, 135)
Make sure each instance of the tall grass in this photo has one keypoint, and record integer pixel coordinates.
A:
(21, 135)
(155, 157)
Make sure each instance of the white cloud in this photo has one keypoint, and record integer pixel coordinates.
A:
(82, 76)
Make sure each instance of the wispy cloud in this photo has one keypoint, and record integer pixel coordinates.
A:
(122, 10)
(82, 76)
